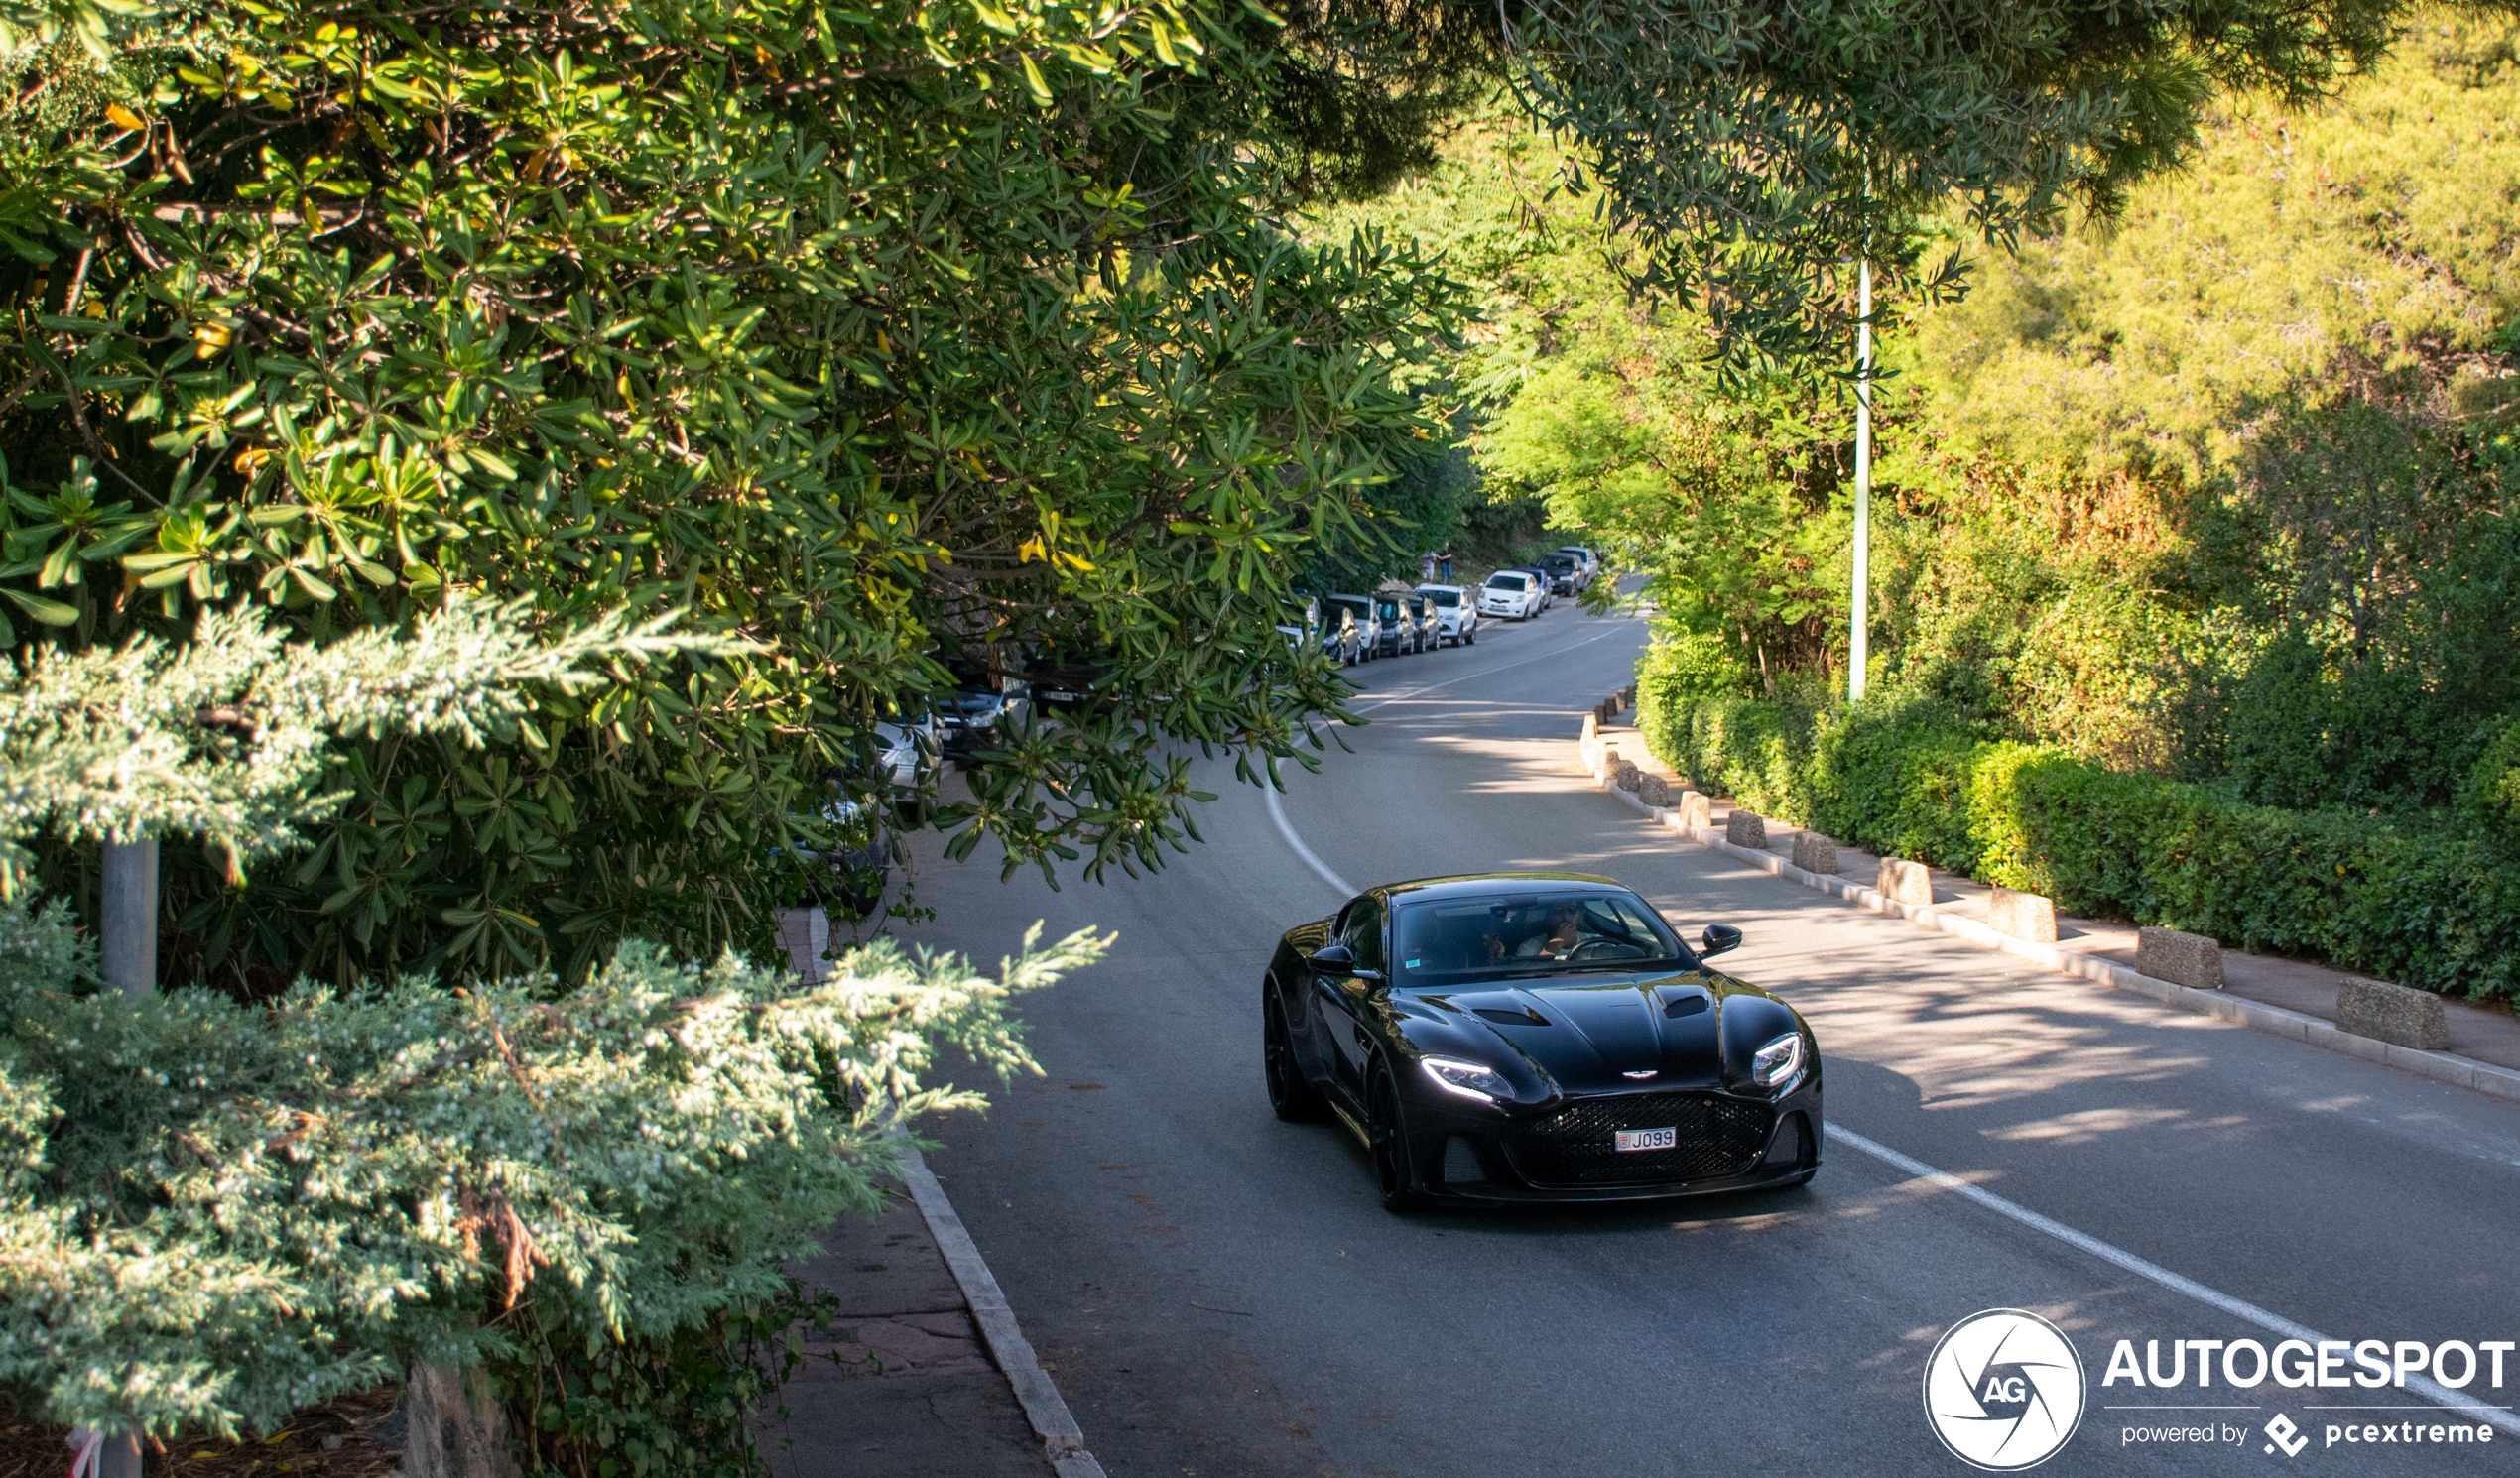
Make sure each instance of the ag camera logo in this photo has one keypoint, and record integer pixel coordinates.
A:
(2004, 1390)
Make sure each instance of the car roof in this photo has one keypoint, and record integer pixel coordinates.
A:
(1479, 885)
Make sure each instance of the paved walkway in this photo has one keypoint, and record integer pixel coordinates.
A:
(900, 1383)
(2479, 1031)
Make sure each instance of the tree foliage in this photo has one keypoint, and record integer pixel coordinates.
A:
(2224, 489)
(877, 337)
(1759, 148)
(228, 738)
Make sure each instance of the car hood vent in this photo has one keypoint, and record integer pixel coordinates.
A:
(1526, 1017)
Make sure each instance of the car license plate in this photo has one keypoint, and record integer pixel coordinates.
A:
(1646, 1138)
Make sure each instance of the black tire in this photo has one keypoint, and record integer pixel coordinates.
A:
(1470, 638)
(1295, 1100)
(1388, 1142)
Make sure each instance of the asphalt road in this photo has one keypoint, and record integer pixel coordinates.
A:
(1218, 1292)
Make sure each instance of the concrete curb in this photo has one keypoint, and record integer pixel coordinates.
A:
(1061, 1440)
(2445, 1067)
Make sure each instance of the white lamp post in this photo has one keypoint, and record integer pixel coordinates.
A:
(1858, 649)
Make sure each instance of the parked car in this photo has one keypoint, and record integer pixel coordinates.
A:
(1356, 611)
(1511, 594)
(1548, 586)
(1430, 621)
(1455, 611)
(906, 751)
(1566, 572)
(1520, 1038)
(849, 877)
(1402, 626)
(1591, 561)
(1342, 640)
(970, 719)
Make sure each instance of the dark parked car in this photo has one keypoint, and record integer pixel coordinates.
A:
(1356, 611)
(1403, 622)
(1536, 1037)
(1568, 575)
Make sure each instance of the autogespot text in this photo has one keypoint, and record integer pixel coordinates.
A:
(2456, 1365)
(2247, 1364)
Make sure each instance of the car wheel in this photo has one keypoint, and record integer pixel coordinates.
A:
(1295, 1100)
(1470, 638)
(1389, 1144)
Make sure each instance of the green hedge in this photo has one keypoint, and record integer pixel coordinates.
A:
(2431, 906)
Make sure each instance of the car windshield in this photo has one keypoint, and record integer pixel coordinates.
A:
(1450, 941)
(1387, 608)
(1445, 597)
(1507, 581)
(1561, 562)
(1348, 603)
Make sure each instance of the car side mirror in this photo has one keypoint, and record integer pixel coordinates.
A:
(1718, 938)
(1331, 959)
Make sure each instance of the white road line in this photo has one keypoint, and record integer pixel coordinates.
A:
(2240, 1309)
(1286, 830)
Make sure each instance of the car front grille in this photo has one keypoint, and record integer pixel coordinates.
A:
(1714, 1137)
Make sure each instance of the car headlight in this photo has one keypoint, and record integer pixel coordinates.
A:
(1469, 1079)
(1779, 1063)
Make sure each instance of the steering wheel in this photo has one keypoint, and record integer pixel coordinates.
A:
(1599, 949)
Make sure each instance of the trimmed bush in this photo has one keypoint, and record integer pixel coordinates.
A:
(2431, 906)
(215, 1214)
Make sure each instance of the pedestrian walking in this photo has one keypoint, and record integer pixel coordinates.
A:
(1445, 560)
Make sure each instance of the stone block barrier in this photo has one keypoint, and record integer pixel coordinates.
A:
(1745, 829)
(2024, 916)
(1697, 809)
(2393, 1013)
(1625, 775)
(1814, 853)
(1653, 789)
(1905, 882)
(2182, 959)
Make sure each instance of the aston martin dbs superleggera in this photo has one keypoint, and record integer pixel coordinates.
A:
(1538, 1036)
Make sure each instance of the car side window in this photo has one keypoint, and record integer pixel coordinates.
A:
(1362, 932)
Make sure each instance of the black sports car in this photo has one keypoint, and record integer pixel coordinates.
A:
(1538, 1036)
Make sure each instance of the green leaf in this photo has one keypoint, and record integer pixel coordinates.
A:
(49, 612)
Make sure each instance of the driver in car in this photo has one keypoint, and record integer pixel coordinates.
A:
(1564, 933)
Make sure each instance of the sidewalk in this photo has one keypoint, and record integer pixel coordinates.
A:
(900, 1383)
(2478, 1034)
(921, 1373)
